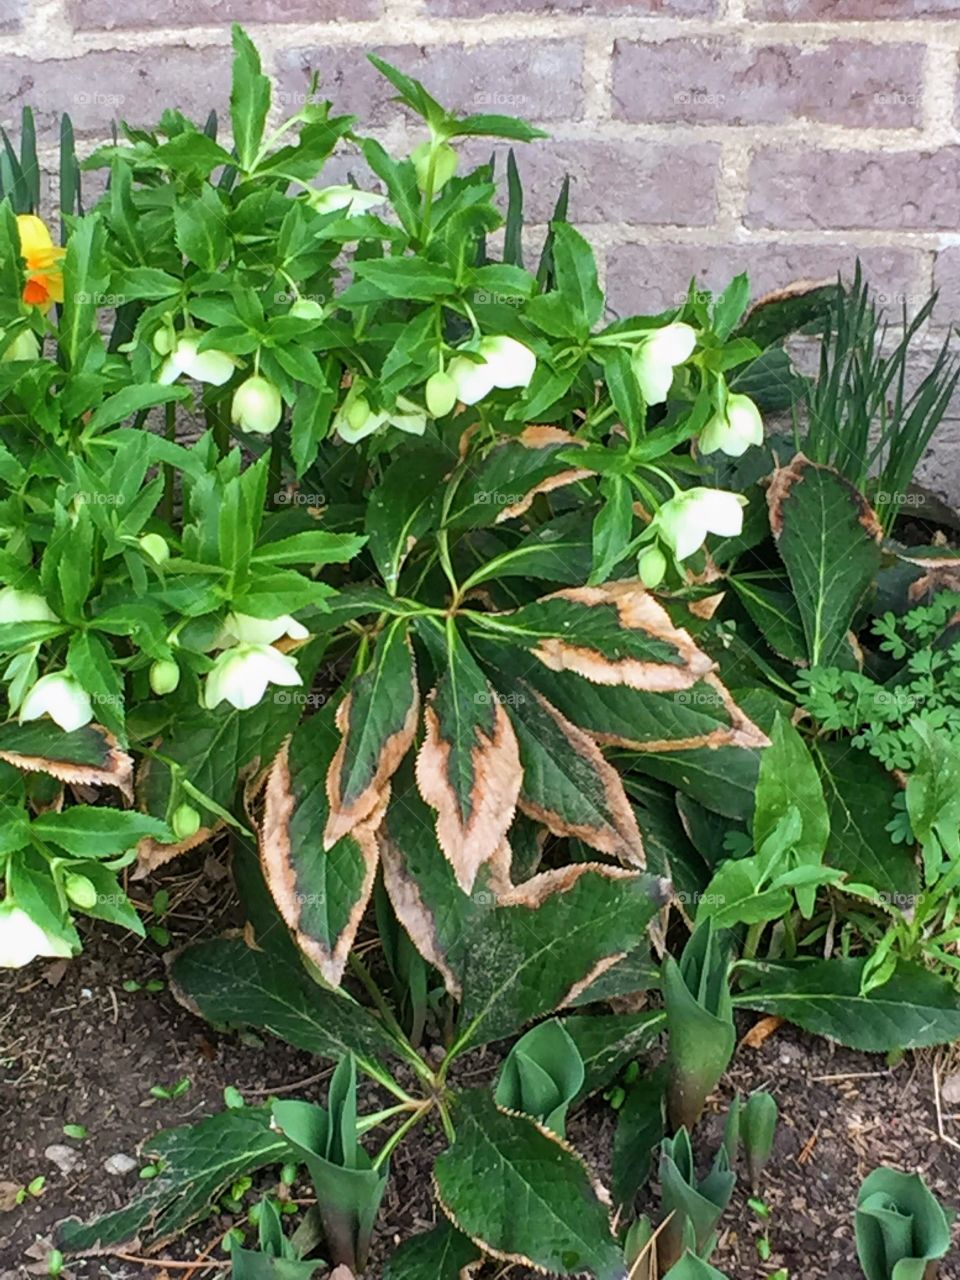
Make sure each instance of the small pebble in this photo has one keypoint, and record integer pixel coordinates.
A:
(119, 1164)
(65, 1158)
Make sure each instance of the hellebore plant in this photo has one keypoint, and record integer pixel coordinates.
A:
(277, 1258)
(902, 1231)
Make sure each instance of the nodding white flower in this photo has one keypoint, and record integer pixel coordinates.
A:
(355, 419)
(241, 628)
(655, 359)
(685, 520)
(307, 309)
(240, 675)
(23, 940)
(214, 367)
(503, 362)
(735, 429)
(257, 406)
(350, 200)
(25, 346)
(24, 606)
(60, 697)
(444, 159)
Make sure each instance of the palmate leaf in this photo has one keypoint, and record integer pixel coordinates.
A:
(829, 540)
(320, 890)
(468, 767)
(522, 1195)
(378, 719)
(197, 1161)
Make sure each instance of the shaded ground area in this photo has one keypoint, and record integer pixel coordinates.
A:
(76, 1048)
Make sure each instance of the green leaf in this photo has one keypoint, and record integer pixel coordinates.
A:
(607, 1042)
(585, 915)
(914, 1008)
(494, 126)
(624, 390)
(378, 719)
(413, 278)
(311, 548)
(403, 507)
(776, 616)
(518, 1192)
(771, 381)
(901, 1227)
(730, 306)
(541, 1075)
(89, 831)
(85, 283)
(576, 273)
(132, 400)
(321, 888)
(784, 311)
(860, 794)
(249, 99)
(468, 768)
(702, 1036)
(412, 92)
(440, 1254)
(692, 1205)
(197, 1163)
(201, 229)
(829, 540)
(690, 1267)
(641, 1124)
(612, 528)
(230, 985)
(88, 756)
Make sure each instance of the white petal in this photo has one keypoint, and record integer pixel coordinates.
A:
(170, 370)
(672, 344)
(24, 606)
(214, 367)
(60, 697)
(511, 363)
(473, 381)
(22, 940)
(373, 422)
(653, 376)
(721, 512)
(278, 667)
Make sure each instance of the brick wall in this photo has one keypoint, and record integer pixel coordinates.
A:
(703, 136)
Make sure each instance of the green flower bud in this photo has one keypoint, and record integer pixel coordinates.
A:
(163, 341)
(307, 309)
(164, 677)
(445, 161)
(441, 393)
(651, 566)
(156, 547)
(185, 822)
(80, 891)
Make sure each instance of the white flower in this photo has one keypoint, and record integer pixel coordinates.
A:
(241, 675)
(25, 346)
(24, 606)
(257, 406)
(504, 363)
(655, 359)
(440, 393)
(349, 199)
(241, 628)
(22, 939)
(686, 519)
(734, 430)
(60, 697)
(355, 419)
(215, 367)
(444, 160)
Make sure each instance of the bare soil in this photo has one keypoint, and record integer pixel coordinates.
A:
(77, 1048)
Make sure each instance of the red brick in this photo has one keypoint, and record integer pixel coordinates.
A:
(538, 79)
(707, 81)
(633, 182)
(646, 278)
(657, 8)
(107, 15)
(888, 190)
(100, 87)
(946, 278)
(849, 10)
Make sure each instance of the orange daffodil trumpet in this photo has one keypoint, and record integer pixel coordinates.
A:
(43, 284)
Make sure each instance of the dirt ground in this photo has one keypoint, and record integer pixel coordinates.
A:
(77, 1048)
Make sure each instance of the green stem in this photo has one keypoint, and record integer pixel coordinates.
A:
(383, 1155)
(360, 971)
(170, 431)
(376, 1118)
